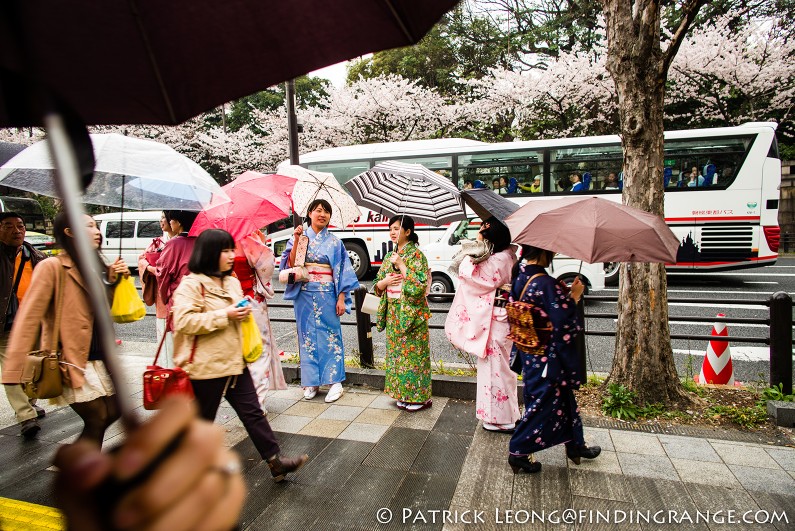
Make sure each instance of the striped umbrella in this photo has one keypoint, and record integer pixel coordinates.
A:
(393, 188)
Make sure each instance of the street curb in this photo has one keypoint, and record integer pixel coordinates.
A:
(461, 387)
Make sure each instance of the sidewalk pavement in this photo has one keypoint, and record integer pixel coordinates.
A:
(437, 469)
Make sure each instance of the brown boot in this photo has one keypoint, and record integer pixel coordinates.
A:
(281, 466)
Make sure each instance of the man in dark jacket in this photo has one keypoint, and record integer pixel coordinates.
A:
(17, 260)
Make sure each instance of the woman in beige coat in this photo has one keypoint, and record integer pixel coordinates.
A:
(87, 386)
(208, 344)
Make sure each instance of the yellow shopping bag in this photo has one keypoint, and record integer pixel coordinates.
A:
(252, 340)
(127, 304)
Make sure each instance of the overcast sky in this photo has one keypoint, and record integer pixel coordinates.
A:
(334, 73)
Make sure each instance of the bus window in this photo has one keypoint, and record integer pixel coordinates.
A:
(116, 230)
(149, 229)
(705, 163)
(584, 168)
(29, 209)
(507, 173)
(343, 171)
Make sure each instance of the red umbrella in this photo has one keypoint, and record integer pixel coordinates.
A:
(594, 230)
(256, 199)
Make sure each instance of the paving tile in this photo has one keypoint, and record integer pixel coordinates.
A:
(289, 423)
(599, 437)
(383, 402)
(712, 498)
(356, 399)
(555, 456)
(651, 495)
(419, 494)
(278, 405)
(233, 435)
(334, 464)
(458, 416)
(704, 472)
(424, 419)
(779, 504)
(337, 412)
(606, 462)
(442, 455)
(636, 443)
(356, 431)
(291, 393)
(593, 484)
(397, 449)
(378, 416)
(734, 454)
(324, 428)
(544, 493)
(764, 480)
(468, 520)
(785, 457)
(307, 409)
(689, 448)
(649, 466)
(358, 499)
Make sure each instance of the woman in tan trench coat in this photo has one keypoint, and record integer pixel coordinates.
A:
(87, 386)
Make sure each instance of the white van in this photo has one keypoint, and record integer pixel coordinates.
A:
(440, 256)
(136, 232)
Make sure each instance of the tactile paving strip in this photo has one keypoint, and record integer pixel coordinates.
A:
(19, 515)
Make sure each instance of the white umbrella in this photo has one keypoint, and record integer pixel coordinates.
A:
(146, 175)
(311, 185)
(393, 188)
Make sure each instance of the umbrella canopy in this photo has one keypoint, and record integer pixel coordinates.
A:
(151, 175)
(164, 62)
(255, 200)
(393, 188)
(486, 203)
(594, 230)
(9, 150)
(311, 185)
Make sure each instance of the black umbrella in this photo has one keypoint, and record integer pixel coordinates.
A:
(486, 203)
(162, 62)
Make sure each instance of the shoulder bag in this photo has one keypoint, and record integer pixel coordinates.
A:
(41, 375)
(161, 383)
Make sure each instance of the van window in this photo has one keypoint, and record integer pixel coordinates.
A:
(149, 229)
(116, 230)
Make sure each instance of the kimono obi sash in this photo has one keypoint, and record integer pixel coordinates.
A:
(319, 272)
(394, 292)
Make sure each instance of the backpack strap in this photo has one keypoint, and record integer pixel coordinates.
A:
(528, 284)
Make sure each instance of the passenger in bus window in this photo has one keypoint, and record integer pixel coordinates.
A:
(467, 185)
(576, 183)
(498, 189)
(563, 184)
(611, 182)
(695, 179)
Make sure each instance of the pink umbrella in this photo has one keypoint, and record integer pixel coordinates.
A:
(255, 199)
(594, 230)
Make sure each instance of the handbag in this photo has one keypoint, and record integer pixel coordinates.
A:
(252, 339)
(523, 329)
(370, 304)
(161, 383)
(41, 375)
(149, 292)
(127, 305)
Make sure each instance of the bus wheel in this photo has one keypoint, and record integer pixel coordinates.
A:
(611, 273)
(359, 259)
(439, 286)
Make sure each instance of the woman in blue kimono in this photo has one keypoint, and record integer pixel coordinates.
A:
(320, 300)
(550, 373)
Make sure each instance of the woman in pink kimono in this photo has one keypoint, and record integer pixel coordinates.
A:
(478, 325)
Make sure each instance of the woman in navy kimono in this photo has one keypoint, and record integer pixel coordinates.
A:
(320, 300)
(551, 373)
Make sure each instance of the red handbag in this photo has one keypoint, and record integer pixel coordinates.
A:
(161, 383)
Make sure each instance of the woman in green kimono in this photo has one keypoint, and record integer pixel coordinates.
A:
(402, 285)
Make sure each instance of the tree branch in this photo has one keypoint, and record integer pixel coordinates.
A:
(689, 11)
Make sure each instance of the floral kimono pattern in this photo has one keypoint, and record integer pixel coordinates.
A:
(551, 414)
(408, 350)
(319, 329)
(476, 326)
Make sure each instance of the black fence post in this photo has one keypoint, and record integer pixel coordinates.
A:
(580, 341)
(781, 341)
(363, 330)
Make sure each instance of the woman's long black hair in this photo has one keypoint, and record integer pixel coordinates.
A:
(531, 253)
(207, 252)
(407, 222)
(498, 234)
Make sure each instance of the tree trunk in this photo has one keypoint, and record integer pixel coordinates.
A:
(643, 357)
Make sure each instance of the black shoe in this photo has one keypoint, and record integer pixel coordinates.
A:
(575, 453)
(523, 463)
(39, 411)
(30, 428)
(281, 466)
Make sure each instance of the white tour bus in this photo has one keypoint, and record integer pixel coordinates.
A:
(725, 215)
